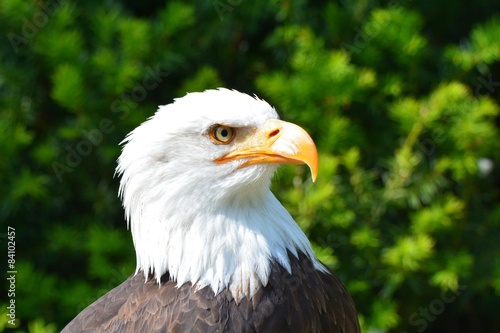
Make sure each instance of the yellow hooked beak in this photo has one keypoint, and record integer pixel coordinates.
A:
(276, 141)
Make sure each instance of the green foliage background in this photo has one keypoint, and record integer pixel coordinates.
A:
(401, 97)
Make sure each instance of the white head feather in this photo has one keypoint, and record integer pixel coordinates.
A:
(202, 222)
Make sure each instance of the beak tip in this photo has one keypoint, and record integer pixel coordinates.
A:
(314, 172)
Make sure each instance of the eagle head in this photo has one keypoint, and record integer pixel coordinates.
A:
(195, 187)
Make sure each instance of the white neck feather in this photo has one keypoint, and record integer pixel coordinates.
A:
(221, 242)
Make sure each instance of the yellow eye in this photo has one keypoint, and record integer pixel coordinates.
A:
(222, 134)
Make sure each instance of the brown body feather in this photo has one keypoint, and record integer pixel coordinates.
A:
(305, 301)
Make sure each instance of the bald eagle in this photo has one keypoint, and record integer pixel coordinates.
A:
(216, 251)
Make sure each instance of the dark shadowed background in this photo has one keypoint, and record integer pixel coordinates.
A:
(401, 97)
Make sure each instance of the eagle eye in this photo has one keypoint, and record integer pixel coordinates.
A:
(222, 134)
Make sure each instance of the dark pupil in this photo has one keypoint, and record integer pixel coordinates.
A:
(224, 133)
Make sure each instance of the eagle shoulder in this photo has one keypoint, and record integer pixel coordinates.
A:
(305, 300)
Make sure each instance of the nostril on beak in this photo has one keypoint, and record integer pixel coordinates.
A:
(273, 133)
